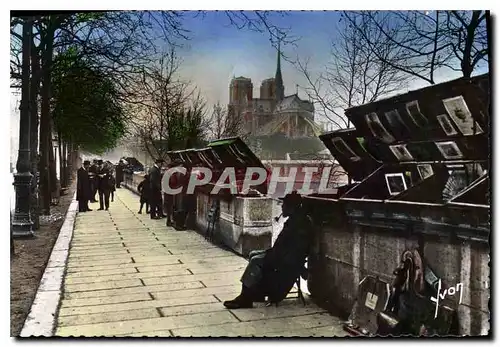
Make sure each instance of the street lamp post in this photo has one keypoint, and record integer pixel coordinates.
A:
(22, 225)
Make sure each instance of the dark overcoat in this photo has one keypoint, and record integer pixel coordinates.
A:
(282, 264)
(119, 172)
(105, 181)
(83, 190)
(144, 188)
(155, 183)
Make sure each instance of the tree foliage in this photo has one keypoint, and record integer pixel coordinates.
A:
(85, 107)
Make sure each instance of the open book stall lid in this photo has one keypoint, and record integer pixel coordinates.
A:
(349, 148)
(232, 152)
(428, 145)
(413, 126)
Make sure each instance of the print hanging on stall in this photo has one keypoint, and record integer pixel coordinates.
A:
(377, 128)
(395, 183)
(343, 148)
(425, 170)
(394, 119)
(461, 116)
(418, 118)
(449, 150)
(446, 125)
(401, 152)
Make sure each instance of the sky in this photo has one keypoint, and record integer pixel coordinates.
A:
(217, 51)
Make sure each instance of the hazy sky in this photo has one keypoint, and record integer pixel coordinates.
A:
(218, 51)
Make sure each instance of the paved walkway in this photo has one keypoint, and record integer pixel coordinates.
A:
(128, 275)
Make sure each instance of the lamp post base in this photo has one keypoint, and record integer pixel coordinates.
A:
(22, 225)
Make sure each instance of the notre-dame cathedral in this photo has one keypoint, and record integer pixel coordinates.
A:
(273, 123)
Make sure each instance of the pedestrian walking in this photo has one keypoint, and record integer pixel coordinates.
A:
(105, 186)
(83, 190)
(113, 188)
(144, 189)
(155, 189)
(93, 180)
(119, 173)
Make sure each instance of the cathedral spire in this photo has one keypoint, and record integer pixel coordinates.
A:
(280, 89)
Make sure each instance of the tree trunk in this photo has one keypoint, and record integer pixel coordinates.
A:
(35, 89)
(45, 133)
(62, 159)
(53, 169)
(69, 162)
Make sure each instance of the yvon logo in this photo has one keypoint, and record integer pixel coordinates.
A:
(458, 288)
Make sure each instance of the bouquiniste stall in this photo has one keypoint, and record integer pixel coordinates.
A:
(243, 219)
(420, 167)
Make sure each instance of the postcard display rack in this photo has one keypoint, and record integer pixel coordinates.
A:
(244, 218)
(420, 167)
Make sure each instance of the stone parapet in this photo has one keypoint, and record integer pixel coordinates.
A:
(244, 223)
(357, 239)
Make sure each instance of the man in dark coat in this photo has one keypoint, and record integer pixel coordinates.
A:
(155, 203)
(143, 188)
(83, 190)
(105, 186)
(273, 272)
(119, 173)
(93, 169)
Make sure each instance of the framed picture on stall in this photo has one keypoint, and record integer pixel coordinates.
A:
(461, 116)
(446, 125)
(449, 150)
(425, 170)
(413, 109)
(395, 121)
(401, 152)
(344, 149)
(396, 183)
(377, 128)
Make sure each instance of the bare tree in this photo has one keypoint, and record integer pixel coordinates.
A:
(467, 31)
(426, 41)
(171, 112)
(222, 124)
(355, 75)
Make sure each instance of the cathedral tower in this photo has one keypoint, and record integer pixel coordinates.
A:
(280, 88)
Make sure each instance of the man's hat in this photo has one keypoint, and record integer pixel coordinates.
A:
(99, 162)
(86, 162)
(159, 160)
(293, 199)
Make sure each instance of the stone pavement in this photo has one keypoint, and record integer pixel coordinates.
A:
(128, 275)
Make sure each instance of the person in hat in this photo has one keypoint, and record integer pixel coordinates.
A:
(155, 203)
(143, 188)
(272, 273)
(105, 184)
(113, 182)
(119, 173)
(169, 199)
(83, 188)
(93, 180)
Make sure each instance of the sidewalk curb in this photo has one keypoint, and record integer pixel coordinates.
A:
(42, 316)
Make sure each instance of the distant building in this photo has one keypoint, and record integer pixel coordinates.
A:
(273, 112)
